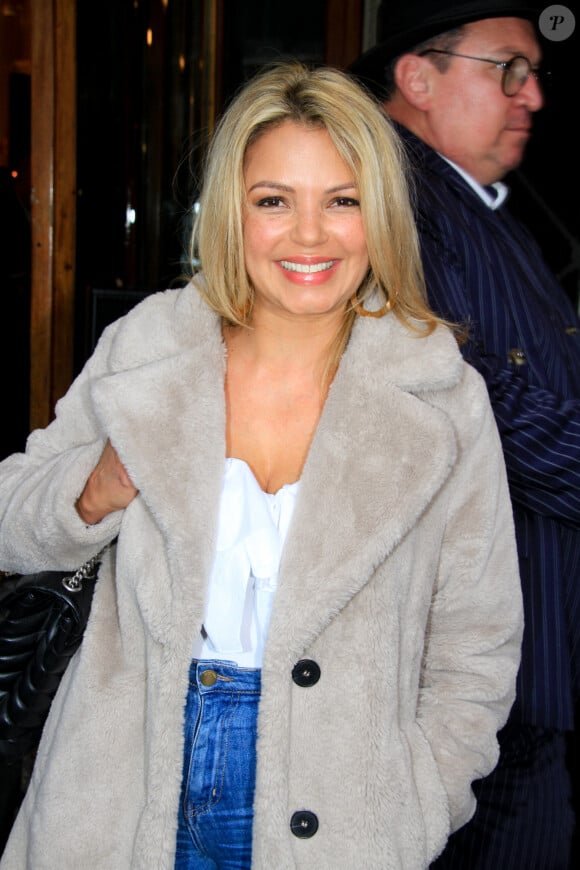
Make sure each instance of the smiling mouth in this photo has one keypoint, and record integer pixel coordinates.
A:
(307, 268)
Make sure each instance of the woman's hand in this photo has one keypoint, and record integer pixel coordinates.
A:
(109, 488)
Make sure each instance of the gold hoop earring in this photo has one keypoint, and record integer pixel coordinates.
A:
(364, 312)
(242, 313)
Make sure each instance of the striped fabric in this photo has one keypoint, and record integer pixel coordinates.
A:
(524, 818)
(485, 270)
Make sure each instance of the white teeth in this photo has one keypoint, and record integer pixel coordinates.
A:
(306, 268)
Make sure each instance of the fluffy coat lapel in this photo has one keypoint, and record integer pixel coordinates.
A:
(166, 418)
(365, 482)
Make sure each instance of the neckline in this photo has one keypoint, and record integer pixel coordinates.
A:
(286, 487)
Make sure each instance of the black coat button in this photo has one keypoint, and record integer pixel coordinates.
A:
(306, 673)
(304, 824)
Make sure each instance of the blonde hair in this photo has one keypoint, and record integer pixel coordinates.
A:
(365, 139)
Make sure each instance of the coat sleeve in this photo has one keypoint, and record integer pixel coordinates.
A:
(540, 430)
(39, 525)
(474, 631)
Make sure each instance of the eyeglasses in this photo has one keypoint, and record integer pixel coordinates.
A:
(516, 71)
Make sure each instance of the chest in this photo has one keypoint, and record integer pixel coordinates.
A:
(270, 424)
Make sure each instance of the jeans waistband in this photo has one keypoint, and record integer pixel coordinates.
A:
(211, 675)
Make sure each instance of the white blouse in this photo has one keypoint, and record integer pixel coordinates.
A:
(252, 528)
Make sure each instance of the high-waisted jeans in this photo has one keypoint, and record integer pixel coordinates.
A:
(219, 768)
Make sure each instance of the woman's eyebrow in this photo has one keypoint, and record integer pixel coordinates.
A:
(277, 185)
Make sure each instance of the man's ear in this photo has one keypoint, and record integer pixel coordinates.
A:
(413, 75)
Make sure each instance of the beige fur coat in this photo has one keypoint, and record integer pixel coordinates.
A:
(399, 578)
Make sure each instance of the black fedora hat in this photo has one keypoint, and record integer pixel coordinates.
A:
(402, 24)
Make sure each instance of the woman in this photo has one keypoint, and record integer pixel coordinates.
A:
(306, 638)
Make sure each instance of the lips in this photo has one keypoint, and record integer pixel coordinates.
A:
(307, 268)
(520, 123)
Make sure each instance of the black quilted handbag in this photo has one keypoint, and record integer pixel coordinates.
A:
(42, 620)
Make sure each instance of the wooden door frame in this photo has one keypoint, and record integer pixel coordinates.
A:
(53, 203)
(344, 31)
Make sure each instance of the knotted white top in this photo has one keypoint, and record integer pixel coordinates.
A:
(252, 528)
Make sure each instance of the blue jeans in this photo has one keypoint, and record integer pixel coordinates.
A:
(219, 768)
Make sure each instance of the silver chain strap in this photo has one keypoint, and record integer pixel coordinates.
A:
(75, 582)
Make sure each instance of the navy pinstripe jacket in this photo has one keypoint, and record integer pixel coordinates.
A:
(485, 270)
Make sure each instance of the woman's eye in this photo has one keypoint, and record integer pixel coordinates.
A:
(346, 202)
(270, 202)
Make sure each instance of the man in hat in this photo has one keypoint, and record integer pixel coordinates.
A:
(463, 79)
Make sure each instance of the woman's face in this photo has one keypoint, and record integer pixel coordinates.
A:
(304, 242)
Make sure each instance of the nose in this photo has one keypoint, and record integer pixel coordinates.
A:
(308, 228)
(531, 95)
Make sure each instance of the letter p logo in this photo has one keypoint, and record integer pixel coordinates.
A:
(557, 23)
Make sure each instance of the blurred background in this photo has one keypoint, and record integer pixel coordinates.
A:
(105, 112)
